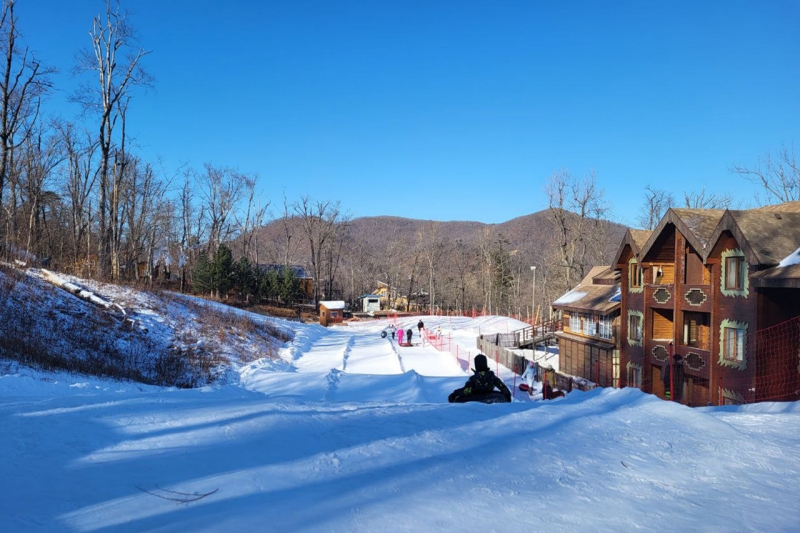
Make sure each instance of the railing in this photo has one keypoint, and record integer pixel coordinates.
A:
(539, 333)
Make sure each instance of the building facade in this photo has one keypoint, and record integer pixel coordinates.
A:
(703, 286)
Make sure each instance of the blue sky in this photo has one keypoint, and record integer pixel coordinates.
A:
(453, 110)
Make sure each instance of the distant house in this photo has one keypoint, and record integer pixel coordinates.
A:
(370, 303)
(588, 345)
(390, 296)
(720, 288)
(331, 312)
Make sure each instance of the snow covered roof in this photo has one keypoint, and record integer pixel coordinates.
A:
(598, 292)
(333, 304)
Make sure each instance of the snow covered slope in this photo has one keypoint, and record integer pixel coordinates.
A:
(345, 431)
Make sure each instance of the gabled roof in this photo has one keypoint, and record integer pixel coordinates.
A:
(590, 296)
(765, 235)
(787, 207)
(696, 226)
(635, 238)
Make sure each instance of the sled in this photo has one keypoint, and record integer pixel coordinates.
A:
(488, 397)
(524, 387)
(404, 344)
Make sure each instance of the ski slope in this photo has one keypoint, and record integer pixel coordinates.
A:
(346, 431)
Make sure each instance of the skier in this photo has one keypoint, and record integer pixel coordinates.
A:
(530, 375)
(481, 384)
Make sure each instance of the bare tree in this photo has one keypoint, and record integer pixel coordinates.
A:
(221, 189)
(42, 154)
(319, 220)
(190, 232)
(577, 208)
(116, 60)
(141, 212)
(81, 175)
(703, 200)
(430, 244)
(23, 82)
(778, 175)
(252, 219)
(656, 203)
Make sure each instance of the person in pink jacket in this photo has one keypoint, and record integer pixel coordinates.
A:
(400, 336)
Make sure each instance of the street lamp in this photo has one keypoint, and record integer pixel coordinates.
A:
(533, 298)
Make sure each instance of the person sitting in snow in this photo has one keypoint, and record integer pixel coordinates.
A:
(530, 375)
(481, 383)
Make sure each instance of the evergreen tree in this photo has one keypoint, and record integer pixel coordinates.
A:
(244, 279)
(222, 269)
(289, 285)
(268, 289)
(202, 276)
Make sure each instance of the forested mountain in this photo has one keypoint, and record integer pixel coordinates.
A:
(455, 265)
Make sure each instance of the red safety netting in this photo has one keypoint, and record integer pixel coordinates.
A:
(777, 368)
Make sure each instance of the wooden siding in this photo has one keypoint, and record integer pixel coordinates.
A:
(589, 360)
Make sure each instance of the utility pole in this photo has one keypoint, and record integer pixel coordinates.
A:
(533, 298)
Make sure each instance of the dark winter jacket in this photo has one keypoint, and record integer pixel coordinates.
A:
(483, 381)
(677, 368)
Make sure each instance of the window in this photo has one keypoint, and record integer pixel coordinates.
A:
(635, 275)
(634, 376)
(635, 327)
(604, 328)
(733, 273)
(695, 330)
(733, 345)
(575, 322)
(733, 279)
(589, 327)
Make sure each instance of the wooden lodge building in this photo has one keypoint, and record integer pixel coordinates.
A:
(721, 288)
(588, 344)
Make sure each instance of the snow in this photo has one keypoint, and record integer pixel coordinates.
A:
(572, 296)
(791, 259)
(346, 431)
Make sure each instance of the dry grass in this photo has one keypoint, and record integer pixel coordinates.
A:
(45, 328)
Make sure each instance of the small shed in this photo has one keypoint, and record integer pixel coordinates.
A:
(331, 312)
(370, 303)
